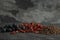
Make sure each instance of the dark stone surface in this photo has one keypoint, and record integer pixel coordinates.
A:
(13, 12)
(24, 4)
(7, 19)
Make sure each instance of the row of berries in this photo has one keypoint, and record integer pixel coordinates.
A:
(11, 28)
(23, 27)
(28, 27)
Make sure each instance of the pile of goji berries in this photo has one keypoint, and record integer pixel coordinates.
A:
(29, 27)
(32, 27)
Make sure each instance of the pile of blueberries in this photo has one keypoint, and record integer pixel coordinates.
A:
(11, 28)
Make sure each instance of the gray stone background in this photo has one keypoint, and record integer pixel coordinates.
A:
(44, 11)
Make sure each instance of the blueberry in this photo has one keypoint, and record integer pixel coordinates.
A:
(5, 26)
(9, 30)
(14, 27)
(3, 30)
(22, 27)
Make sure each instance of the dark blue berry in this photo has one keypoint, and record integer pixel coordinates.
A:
(22, 27)
(3, 30)
(14, 27)
(9, 30)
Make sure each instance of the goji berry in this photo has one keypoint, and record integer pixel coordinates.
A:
(13, 32)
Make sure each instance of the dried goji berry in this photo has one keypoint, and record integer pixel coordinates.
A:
(13, 32)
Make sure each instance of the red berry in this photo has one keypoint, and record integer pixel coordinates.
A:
(17, 31)
(26, 24)
(32, 24)
(13, 32)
